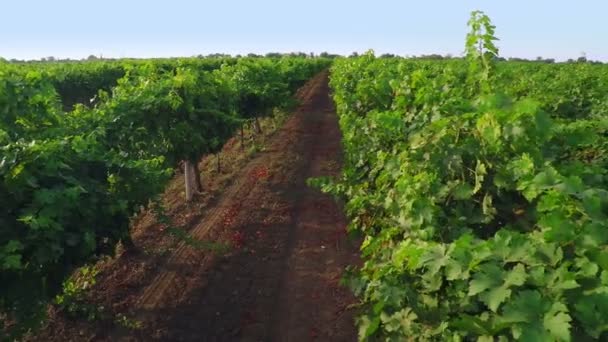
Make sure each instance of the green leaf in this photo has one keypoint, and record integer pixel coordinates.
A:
(537, 317)
(517, 276)
(571, 185)
(462, 191)
(367, 326)
(11, 262)
(480, 173)
(551, 200)
(12, 246)
(593, 235)
(592, 312)
(546, 179)
(487, 208)
(534, 333)
(489, 129)
(490, 277)
(527, 306)
(401, 321)
(544, 125)
(468, 323)
(435, 258)
(593, 205)
(557, 227)
(493, 284)
(587, 268)
(496, 296)
(523, 166)
(512, 247)
(557, 322)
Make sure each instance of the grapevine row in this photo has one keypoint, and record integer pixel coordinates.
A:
(480, 189)
(71, 181)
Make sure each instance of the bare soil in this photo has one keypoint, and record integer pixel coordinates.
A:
(279, 279)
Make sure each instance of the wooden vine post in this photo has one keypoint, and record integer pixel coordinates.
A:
(190, 180)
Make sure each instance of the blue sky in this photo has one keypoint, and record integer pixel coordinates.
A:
(132, 28)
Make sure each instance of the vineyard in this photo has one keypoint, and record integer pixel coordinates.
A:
(480, 190)
(74, 172)
(474, 188)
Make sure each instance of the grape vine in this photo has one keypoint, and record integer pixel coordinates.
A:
(480, 190)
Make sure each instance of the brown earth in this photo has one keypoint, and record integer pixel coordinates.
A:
(279, 280)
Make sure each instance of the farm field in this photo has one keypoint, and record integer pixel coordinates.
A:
(303, 198)
(480, 189)
(286, 248)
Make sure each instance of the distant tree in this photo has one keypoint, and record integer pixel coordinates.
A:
(326, 54)
(387, 55)
(432, 56)
(274, 55)
(517, 59)
(218, 55)
(354, 54)
(92, 58)
(582, 58)
(253, 55)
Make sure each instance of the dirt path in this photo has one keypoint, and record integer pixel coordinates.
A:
(281, 281)
(312, 305)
